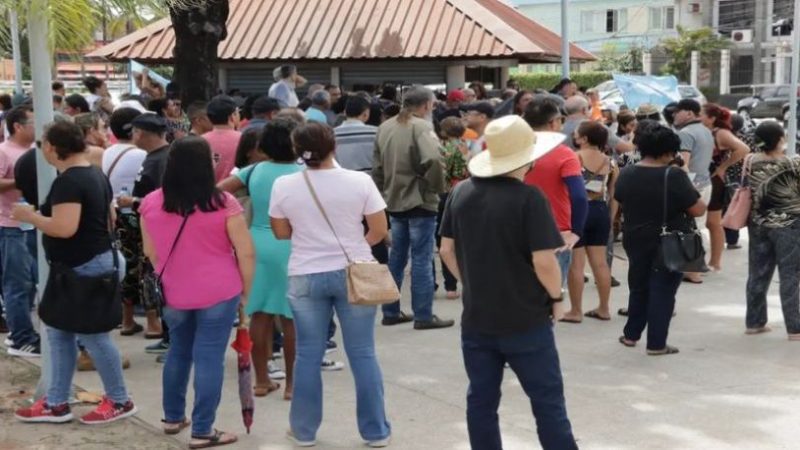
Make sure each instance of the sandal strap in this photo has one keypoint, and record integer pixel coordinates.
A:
(214, 438)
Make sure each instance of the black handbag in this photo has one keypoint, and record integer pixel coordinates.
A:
(152, 288)
(86, 304)
(681, 251)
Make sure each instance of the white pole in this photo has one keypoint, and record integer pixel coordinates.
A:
(791, 150)
(564, 39)
(725, 72)
(45, 173)
(647, 63)
(780, 65)
(14, 24)
(694, 77)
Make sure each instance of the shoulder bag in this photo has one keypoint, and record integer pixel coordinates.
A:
(368, 283)
(738, 212)
(152, 288)
(680, 251)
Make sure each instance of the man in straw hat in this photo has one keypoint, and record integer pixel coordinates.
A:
(499, 238)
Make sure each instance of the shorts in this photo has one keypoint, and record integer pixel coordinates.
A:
(705, 196)
(598, 225)
(717, 200)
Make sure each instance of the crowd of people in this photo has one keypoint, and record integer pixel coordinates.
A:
(259, 204)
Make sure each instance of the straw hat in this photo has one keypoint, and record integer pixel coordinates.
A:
(511, 144)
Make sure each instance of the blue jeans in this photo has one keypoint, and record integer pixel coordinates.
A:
(18, 283)
(199, 337)
(313, 299)
(64, 350)
(564, 261)
(533, 357)
(416, 234)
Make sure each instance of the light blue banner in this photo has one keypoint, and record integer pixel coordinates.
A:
(640, 89)
(136, 67)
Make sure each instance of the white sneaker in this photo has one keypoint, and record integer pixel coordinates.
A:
(299, 443)
(275, 372)
(379, 444)
(332, 366)
(277, 355)
(8, 342)
(25, 351)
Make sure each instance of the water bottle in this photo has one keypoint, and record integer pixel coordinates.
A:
(124, 193)
(24, 226)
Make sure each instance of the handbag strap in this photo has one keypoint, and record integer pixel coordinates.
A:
(324, 215)
(117, 159)
(748, 164)
(249, 175)
(174, 243)
(666, 187)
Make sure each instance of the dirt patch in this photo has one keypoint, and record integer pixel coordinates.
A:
(18, 379)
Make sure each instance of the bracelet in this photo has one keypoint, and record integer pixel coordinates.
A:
(559, 299)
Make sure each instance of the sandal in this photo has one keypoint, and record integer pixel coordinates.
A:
(262, 390)
(692, 280)
(568, 320)
(151, 336)
(623, 312)
(131, 331)
(794, 337)
(758, 330)
(596, 315)
(626, 342)
(668, 350)
(215, 440)
(175, 427)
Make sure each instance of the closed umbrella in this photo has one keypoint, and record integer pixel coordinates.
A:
(243, 344)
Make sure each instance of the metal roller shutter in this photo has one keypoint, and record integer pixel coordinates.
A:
(378, 73)
(258, 80)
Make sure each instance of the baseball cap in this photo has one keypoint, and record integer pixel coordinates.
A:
(150, 122)
(264, 105)
(456, 95)
(482, 107)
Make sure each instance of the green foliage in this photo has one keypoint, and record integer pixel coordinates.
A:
(546, 81)
(611, 60)
(679, 49)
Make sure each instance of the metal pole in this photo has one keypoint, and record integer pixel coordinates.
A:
(791, 149)
(564, 39)
(14, 23)
(45, 173)
(725, 72)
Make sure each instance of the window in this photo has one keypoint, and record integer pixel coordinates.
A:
(669, 18)
(662, 18)
(616, 20)
(604, 21)
(655, 18)
(587, 21)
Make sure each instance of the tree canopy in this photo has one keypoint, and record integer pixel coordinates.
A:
(679, 50)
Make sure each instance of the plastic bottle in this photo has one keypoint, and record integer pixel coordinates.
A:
(24, 226)
(124, 193)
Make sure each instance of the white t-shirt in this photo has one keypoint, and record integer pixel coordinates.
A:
(347, 197)
(127, 168)
(91, 99)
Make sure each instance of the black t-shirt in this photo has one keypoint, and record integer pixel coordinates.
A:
(640, 191)
(89, 187)
(497, 224)
(151, 173)
(25, 176)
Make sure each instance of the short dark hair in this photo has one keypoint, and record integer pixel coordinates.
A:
(66, 137)
(313, 142)
(220, 109)
(92, 83)
(57, 98)
(17, 115)
(669, 112)
(188, 182)
(195, 109)
(158, 105)
(248, 143)
(57, 85)
(452, 127)
(768, 135)
(355, 106)
(5, 101)
(689, 104)
(120, 122)
(77, 101)
(595, 133)
(541, 111)
(657, 141)
(276, 139)
(737, 123)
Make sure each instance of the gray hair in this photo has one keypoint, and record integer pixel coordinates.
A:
(576, 104)
(417, 96)
(321, 98)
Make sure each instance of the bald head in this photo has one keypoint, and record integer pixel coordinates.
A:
(576, 105)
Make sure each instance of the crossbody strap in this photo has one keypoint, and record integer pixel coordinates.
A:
(666, 187)
(324, 215)
(117, 159)
(174, 243)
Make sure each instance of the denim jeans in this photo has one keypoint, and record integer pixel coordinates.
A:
(450, 281)
(417, 235)
(652, 296)
(313, 299)
(564, 261)
(768, 248)
(18, 283)
(533, 357)
(199, 337)
(64, 349)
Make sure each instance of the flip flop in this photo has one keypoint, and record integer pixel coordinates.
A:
(263, 391)
(759, 330)
(153, 336)
(668, 350)
(175, 427)
(626, 342)
(565, 320)
(217, 439)
(623, 312)
(130, 332)
(689, 280)
(596, 315)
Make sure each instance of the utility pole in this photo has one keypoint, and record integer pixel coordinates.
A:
(14, 24)
(792, 149)
(761, 30)
(564, 39)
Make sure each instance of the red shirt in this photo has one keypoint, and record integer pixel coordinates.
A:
(548, 174)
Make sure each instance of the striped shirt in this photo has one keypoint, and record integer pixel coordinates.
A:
(355, 145)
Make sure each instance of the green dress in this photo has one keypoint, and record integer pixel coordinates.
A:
(271, 280)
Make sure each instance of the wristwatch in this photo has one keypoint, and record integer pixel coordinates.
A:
(558, 299)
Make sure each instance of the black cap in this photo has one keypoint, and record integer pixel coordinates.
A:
(482, 107)
(150, 122)
(265, 105)
(688, 104)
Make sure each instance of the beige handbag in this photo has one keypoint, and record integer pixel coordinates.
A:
(368, 283)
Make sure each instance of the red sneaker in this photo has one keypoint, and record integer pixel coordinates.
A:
(41, 412)
(109, 411)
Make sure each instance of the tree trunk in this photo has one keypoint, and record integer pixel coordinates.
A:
(198, 31)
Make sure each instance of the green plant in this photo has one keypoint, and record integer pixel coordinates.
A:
(679, 50)
(611, 60)
(546, 81)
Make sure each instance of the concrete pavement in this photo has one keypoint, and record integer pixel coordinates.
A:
(724, 390)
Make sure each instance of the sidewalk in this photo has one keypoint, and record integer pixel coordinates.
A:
(723, 391)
